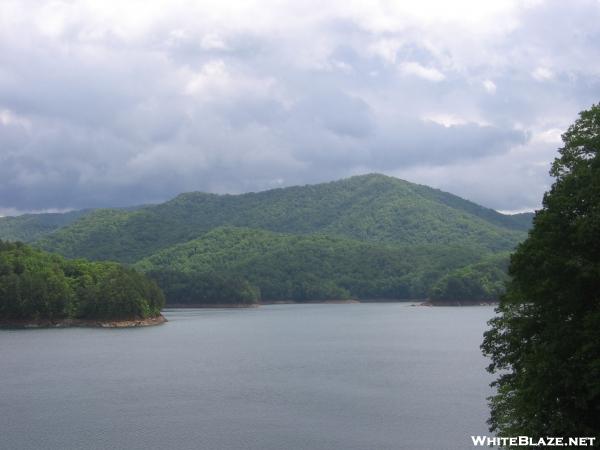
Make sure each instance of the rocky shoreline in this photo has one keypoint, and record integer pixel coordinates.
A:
(81, 323)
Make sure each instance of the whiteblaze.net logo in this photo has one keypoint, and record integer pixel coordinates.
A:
(527, 441)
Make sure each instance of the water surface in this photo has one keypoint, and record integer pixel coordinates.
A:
(350, 376)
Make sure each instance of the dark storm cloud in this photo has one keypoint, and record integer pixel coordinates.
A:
(107, 104)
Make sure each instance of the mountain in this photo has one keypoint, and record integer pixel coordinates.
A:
(369, 236)
(301, 267)
(30, 227)
(371, 208)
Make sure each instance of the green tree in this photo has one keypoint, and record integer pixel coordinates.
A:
(545, 343)
(36, 285)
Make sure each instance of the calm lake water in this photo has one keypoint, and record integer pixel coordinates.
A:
(285, 377)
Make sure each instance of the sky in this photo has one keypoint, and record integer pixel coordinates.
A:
(121, 103)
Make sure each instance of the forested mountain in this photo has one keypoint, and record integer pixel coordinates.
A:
(29, 227)
(373, 208)
(35, 285)
(369, 236)
(302, 267)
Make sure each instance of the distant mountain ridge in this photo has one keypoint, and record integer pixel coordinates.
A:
(33, 226)
(29, 227)
(369, 236)
(373, 208)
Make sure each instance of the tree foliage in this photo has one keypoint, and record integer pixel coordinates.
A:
(482, 281)
(545, 343)
(372, 208)
(205, 288)
(298, 267)
(29, 227)
(35, 285)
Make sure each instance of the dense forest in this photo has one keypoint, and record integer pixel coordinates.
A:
(369, 236)
(372, 208)
(544, 343)
(482, 281)
(38, 286)
(30, 227)
(315, 267)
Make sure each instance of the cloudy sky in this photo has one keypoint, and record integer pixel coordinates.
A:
(117, 103)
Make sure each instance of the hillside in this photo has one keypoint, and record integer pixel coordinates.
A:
(300, 267)
(30, 227)
(483, 281)
(41, 288)
(372, 208)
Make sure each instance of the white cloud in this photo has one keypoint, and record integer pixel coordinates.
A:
(9, 118)
(447, 120)
(489, 86)
(212, 41)
(112, 102)
(386, 49)
(542, 74)
(416, 69)
(215, 81)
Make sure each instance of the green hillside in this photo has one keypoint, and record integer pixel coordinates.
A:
(372, 208)
(301, 267)
(35, 285)
(482, 281)
(29, 227)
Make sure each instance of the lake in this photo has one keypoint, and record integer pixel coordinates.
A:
(285, 377)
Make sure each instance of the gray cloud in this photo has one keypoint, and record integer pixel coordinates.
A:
(107, 104)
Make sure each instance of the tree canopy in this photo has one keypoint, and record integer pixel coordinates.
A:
(545, 343)
(298, 267)
(35, 285)
(482, 281)
(372, 208)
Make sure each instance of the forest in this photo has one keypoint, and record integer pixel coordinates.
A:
(373, 208)
(318, 267)
(365, 237)
(35, 285)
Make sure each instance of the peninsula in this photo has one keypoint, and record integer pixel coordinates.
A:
(40, 289)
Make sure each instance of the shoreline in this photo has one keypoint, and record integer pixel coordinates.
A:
(459, 303)
(83, 323)
(159, 320)
(211, 305)
(269, 302)
(286, 302)
(413, 302)
(309, 302)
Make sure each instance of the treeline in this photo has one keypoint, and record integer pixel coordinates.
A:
(241, 265)
(372, 208)
(483, 281)
(182, 288)
(35, 285)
